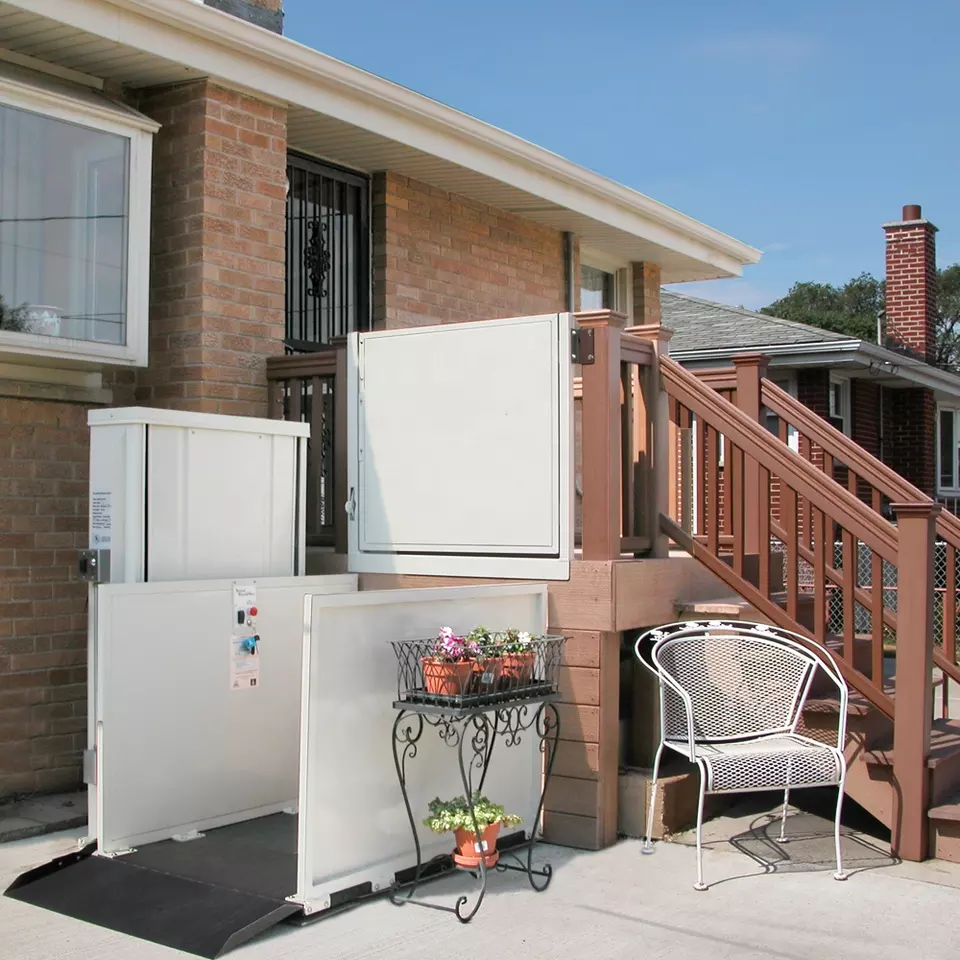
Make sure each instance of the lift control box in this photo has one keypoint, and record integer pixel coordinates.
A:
(193, 496)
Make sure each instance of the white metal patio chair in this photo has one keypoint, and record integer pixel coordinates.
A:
(731, 696)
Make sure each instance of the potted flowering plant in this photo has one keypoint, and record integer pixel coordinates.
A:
(519, 656)
(450, 665)
(461, 818)
(489, 658)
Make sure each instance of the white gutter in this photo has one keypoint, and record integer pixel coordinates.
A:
(221, 45)
(837, 351)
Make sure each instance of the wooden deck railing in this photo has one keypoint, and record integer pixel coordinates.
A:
(814, 511)
(879, 486)
(617, 452)
(310, 388)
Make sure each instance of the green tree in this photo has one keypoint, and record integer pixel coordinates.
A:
(948, 318)
(852, 309)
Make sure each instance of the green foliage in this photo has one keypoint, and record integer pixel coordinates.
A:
(948, 317)
(13, 318)
(483, 638)
(852, 310)
(449, 815)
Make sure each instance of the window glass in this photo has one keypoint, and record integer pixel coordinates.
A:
(63, 228)
(948, 444)
(596, 289)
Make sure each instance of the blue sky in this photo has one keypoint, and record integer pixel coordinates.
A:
(797, 127)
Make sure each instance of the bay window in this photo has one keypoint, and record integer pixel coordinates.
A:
(74, 223)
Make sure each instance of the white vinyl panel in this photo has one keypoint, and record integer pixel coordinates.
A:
(179, 748)
(461, 449)
(220, 503)
(353, 824)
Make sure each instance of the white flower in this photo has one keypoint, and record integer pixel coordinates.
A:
(524, 637)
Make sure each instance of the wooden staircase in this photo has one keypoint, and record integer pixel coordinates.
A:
(832, 544)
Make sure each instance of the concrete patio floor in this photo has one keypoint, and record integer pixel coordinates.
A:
(765, 901)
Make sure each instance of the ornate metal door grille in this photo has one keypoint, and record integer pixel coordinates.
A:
(328, 254)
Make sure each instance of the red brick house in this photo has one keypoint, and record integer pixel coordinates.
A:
(890, 400)
(185, 193)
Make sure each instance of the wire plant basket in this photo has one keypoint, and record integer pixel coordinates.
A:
(486, 679)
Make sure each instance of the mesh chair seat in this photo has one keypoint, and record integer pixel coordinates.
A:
(769, 764)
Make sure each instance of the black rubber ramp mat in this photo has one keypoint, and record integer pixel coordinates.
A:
(197, 917)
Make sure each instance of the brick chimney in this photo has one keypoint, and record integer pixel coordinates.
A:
(264, 13)
(911, 283)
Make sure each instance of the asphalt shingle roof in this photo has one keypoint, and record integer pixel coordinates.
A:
(705, 325)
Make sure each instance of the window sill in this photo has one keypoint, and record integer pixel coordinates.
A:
(35, 349)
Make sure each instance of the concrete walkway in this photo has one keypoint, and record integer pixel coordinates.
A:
(613, 904)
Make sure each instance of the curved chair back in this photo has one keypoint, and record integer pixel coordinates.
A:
(729, 681)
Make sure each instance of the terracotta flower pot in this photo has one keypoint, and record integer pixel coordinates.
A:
(468, 856)
(518, 667)
(487, 675)
(447, 679)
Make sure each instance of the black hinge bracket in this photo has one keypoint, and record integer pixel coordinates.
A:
(582, 350)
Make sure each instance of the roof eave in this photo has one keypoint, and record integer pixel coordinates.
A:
(229, 48)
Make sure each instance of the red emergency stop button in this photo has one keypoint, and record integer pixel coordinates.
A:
(253, 611)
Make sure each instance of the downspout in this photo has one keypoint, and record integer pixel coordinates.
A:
(568, 267)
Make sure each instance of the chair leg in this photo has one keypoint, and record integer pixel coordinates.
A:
(700, 885)
(783, 838)
(648, 843)
(840, 874)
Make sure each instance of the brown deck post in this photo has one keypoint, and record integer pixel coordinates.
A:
(916, 524)
(751, 369)
(600, 443)
(661, 466)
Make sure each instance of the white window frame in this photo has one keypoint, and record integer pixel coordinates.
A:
(790, 386)
(953, 490)
(622, 277)
(844, 414)
(100, 114)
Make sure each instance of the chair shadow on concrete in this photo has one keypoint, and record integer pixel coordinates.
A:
(810, 844)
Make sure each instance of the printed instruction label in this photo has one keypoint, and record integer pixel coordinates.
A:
(244, 599)
(244, 663)
(101, 519)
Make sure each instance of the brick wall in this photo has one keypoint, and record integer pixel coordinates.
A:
(218, 249)
(909, 428)
(911, 266)
(43, 624)
(216, 313)
(442, 258)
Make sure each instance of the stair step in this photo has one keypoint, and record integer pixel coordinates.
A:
(944, 820)
(857, 705)
(948, 810)
(722, 607)
(944, 746)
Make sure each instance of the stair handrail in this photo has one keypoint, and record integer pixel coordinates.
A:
(866, 466)
(821, 491)
(839, 446)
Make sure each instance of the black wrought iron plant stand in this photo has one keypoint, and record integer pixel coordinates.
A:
(473, 733)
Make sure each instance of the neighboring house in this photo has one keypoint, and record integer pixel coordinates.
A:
(893, 403)
(184, 193)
